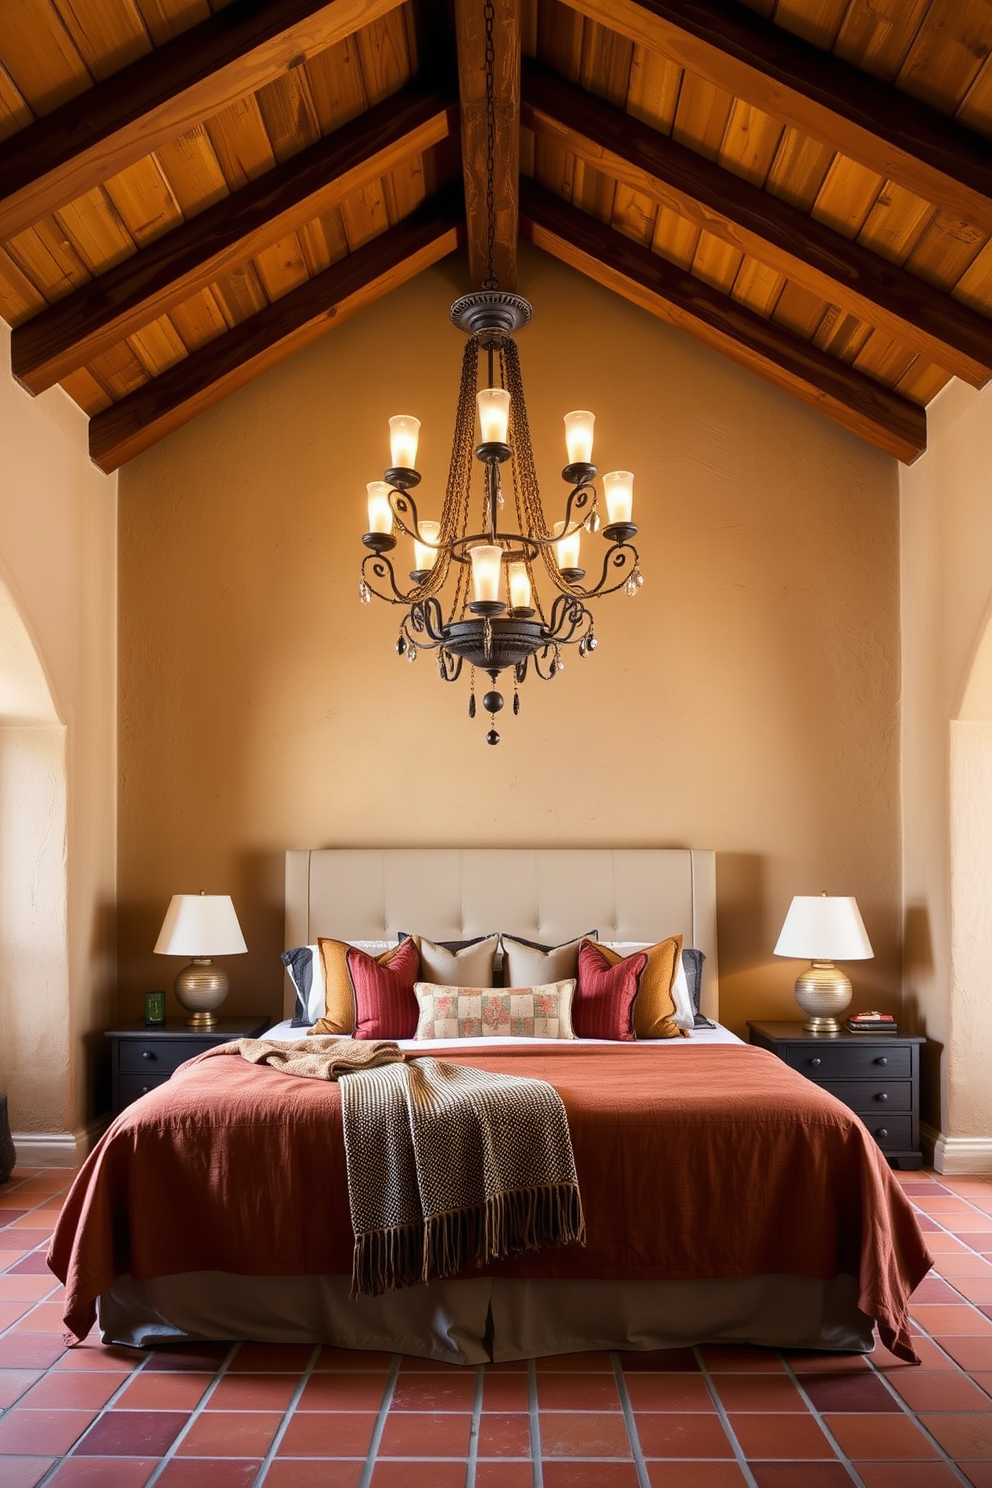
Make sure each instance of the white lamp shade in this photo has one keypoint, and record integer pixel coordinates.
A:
(822, 927)
(200, 925)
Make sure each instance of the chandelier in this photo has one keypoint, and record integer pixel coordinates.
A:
(474, 594)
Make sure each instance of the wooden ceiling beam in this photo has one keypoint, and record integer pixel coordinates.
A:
(823, 96)
(857, 402)
(172, 89)
(470, 30)
(843, 272)
(282, 328)
(137, 291)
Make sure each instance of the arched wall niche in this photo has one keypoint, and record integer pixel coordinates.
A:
(34, 968)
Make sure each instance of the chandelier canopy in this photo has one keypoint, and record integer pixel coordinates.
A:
(473, 593)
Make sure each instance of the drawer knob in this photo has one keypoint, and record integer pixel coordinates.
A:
(882, 1096)
(883, 1131)
(883, 1060)
(815, 1062)
(147, 1054)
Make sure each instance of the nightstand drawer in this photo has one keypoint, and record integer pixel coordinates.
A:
(156, 1057)
(892, 1133)
(871, 1095)
(842, 1060)
(130, 1087)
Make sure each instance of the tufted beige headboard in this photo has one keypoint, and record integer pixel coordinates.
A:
(543, 894)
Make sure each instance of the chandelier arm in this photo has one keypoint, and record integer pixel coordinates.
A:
(623, 556)
(546, 662)
(568, 621)
(376, 569)
(449, 666)
(425, 617)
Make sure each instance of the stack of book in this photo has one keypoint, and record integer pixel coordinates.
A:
(871, 1023)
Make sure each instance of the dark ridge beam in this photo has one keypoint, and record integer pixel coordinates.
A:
(137, 291)
(857, 402)
(172, 89)
(275, 333)
(934, 325)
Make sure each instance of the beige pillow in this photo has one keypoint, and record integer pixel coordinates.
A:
(495, 1012)
(471, 966)
(526, 965)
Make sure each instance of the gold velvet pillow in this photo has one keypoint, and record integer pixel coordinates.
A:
(339, 994)
(654, 1010)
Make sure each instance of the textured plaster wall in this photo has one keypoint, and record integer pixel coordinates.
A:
(746, 700)
(57, 758)
(947, 750)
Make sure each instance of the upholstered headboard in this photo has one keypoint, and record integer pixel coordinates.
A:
(543, 894)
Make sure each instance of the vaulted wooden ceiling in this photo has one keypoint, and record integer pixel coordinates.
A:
(192, 190)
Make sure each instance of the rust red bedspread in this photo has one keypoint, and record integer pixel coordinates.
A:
(694, 1162)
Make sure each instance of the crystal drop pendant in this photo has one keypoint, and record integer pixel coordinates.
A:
(364, 592)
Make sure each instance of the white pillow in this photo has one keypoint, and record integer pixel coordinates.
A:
(495, 1012)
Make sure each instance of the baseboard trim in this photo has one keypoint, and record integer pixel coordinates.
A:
(957, 1156)
(58, 1149)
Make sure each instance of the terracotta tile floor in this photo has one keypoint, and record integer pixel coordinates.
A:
(285, 1416)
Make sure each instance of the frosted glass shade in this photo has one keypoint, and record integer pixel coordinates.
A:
(567, 549)
(618, 488)
(821, 927)
(404, 436)
(518, 581)
(494, 414)
(200, 925)
(380, 511)
(423, 556)
(578, 436)
(486, 564)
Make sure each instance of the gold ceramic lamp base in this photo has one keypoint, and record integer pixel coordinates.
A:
(201, 988)
(824, 994)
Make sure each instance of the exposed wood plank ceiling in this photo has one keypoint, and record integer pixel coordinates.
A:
(192, 190)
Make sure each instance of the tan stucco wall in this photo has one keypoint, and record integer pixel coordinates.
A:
(946, 500)
(58, 849)
(746, 700)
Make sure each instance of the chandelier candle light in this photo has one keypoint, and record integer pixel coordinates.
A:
(493, 616)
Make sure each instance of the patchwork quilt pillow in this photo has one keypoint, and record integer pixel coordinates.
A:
(498, 1012)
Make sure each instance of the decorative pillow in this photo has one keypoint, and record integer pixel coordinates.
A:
(307, 976)
(692, 963)
(385, 1007)
(606, 993)
(501, 1012)
(528, 964)
(456, 963)
(337, 1012)
(657, 1014)
(685, 1013)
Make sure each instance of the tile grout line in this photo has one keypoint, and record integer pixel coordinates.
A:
(99, 1415)
(380, 1422)
(194, 1415)
(817, 1415)
(283, 1426)
(721, 1411)
(643, 1479)
(533, 1411)
(915, 1415)
(473, 1434)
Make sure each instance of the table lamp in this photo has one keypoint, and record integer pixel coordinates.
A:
(201, 926)
(821, 928)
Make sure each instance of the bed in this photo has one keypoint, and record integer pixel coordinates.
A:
(726, 1198)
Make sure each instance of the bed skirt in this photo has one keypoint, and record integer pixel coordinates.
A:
(491, 1319)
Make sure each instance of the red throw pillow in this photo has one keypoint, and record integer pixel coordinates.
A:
(603, 1006)
(385, 1005)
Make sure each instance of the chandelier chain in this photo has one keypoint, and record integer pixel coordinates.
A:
(491, 280)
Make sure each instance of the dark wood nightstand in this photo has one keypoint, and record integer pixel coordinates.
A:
(144, 1056)
(877, 1075)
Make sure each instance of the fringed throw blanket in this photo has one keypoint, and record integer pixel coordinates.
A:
(450, 1167)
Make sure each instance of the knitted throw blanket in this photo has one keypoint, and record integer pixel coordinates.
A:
(315, 1058)
(450, 1167)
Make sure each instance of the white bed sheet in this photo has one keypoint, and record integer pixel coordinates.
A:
(716, 1035)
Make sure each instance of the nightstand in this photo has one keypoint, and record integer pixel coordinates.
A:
(143, 1056)
(876, 1075)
